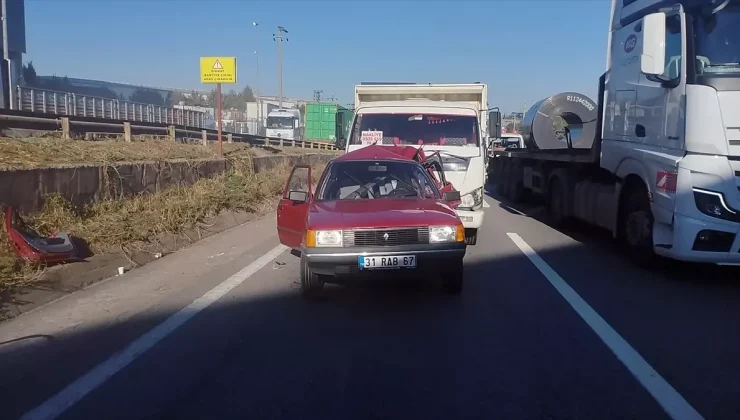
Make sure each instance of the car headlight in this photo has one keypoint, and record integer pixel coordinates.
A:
(713, 204)
(472, 199)
(324, 238)
(442, 234)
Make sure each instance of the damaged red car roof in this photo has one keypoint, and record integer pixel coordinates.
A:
(375, 151)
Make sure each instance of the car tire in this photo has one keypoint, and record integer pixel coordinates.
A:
(452, 278)
(311, 283)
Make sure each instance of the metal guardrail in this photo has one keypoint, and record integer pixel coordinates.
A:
(72, 104)
(71, 126)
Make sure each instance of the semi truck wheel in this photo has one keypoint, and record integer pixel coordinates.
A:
(516, 190)
(556, 203)
(311, 283)
(636, 227)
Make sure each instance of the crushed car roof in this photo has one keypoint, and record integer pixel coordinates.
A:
(384, 152)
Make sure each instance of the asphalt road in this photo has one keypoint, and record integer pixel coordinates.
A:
(550, 325)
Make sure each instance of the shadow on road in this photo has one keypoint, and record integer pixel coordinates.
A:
(508, 347)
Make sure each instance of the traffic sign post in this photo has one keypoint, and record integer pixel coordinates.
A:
(217, 70)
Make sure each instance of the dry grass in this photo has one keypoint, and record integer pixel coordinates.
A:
(44, 152)
(110, 224)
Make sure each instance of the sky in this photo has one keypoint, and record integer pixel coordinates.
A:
(524, 50)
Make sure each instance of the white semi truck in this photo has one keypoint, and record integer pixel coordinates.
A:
(663, 172)
(449, 118)
(284, 124)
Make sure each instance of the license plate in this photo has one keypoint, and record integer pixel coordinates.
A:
(395, 261)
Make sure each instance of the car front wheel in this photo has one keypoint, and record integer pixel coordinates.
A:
(452, 278)
(311, 283)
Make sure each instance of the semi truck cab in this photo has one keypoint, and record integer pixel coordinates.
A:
(284, 124)
(671, 124)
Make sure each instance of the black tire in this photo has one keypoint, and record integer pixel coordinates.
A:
(556, 203)
(311, 283)
(636, 227)
(516, 186)
(452, 278)
(471, 236)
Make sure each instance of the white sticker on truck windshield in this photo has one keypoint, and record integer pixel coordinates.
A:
(370, 137)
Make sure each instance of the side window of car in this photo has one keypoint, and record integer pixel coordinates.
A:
(673, 43)
(298, 181)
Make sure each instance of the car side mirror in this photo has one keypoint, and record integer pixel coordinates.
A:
(652, 58)
(494, 124)
(451, 196)
(298, 196)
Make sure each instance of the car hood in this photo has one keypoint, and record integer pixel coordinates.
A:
(380, 213)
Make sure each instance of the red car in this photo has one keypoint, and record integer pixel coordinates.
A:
(373, 210)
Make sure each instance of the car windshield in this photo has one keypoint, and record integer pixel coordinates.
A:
(280, 122)
(405, 129)
(361, 180)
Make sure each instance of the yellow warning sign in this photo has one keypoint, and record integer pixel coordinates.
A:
(218, 69)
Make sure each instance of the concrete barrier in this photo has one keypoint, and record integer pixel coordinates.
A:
(25, 188)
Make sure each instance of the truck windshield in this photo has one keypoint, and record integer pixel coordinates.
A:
(360, 180)
(280, 122)
(406, 129)
(717, 41)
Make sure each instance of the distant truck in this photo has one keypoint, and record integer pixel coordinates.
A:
(450, 119)
(326, 121)
(284, 124)
(659, 164)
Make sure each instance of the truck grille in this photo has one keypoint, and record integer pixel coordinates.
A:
(377, 237)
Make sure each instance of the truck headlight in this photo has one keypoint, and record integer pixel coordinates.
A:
(472, 199)
(324, 238)
(442, 234)
(713, 204)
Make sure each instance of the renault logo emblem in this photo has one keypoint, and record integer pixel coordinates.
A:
(385, 236)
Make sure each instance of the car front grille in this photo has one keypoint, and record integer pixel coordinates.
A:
(386, 237)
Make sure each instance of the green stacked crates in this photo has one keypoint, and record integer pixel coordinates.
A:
(325, 121)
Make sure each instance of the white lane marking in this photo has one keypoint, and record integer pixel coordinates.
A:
(668, 398)
(515, 210)
(485, 204)
(85, 384)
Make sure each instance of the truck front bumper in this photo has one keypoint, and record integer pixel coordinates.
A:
(703, 240)
(471, 219)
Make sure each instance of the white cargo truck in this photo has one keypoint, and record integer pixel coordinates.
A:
(449, 118)
(284, 124)
(663, 170)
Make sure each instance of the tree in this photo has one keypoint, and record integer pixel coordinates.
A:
(147, 96)
(29, 74)
(247, 95)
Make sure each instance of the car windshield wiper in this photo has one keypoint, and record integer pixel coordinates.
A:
(722, 65)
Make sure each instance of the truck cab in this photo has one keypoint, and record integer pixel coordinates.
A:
(671, 123)
(284, 124)
(450, 119)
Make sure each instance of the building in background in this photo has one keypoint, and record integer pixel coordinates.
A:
(16, 28)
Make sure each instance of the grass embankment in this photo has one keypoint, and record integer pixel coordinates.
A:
(111, 225)
(34, 153)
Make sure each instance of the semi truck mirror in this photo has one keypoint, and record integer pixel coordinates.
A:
(652, 59)
(494, 124)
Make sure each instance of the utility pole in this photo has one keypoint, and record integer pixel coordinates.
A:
(6, 57)
(257, 81)
(317, 95)
(279, 38)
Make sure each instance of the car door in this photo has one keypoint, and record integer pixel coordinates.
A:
(293, 207)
